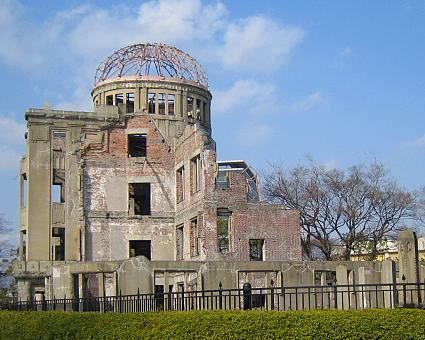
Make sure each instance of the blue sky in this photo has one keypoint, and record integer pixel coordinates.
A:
(340, 81)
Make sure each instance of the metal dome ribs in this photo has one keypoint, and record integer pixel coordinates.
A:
(151, 59)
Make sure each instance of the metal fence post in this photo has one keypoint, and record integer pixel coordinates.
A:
(138, 300)
(404, 290)
(119, 302)
(247, 296)
(272, 294)
(220, 296)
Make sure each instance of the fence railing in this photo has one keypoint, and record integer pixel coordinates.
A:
(354, 296)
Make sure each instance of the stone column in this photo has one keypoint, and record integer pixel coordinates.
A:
(388, 279)
(408, 265)
(342, 292)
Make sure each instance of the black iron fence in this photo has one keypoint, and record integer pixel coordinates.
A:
(352, 296)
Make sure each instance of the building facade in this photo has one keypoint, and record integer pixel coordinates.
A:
(138, 176)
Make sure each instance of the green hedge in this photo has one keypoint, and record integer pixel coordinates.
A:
(362, 324)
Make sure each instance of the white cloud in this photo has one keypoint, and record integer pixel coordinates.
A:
(10, 159)
(11, 131)
(308, 103)
(251, 135)
(258, 44)
(418, 142)
(244, 95)
(330, 164)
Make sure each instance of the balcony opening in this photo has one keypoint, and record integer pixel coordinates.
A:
(223, 181)
(119, 99)
(151, 103)
(256, 250)
(161, 103)
(190, 106)
(136, 145)
(24, 245)
(140, 198)
(140, 248)
(109, 100)
(171, 104)
(129, 102)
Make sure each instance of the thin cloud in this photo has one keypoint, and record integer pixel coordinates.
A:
(11, 131)
(418, 142)
(311, 101)
(345, 52)
(251, 135)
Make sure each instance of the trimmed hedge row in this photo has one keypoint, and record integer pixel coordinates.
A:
(361, 324)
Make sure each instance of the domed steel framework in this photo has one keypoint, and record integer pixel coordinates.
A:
(151, 59)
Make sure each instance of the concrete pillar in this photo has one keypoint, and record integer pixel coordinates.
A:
(342, 292)
(24, 293)
(388, 279)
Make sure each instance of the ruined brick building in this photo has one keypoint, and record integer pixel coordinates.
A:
(138, 176)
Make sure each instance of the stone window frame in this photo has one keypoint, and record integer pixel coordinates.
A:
(224, 214)
(195, 173)
(261, 255)
(194, 237)
(155, 93)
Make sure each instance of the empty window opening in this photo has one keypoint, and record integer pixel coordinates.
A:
(256, 248)
(129, 102)
(23, 190)
(58, 244)
(190, 106)
(136, 145)
(151, 103)
(59, 140)
(140, 198)
(58, 193)
(119, 99)
(223, 181)
(179, 243)
(180, 184)
(194, 238)
(204, 111)
(140, 248)
(223, 230)
(198, 109)
(23, 245)
(195, 173)
(110, 100)
(161, 103)
(171, 104)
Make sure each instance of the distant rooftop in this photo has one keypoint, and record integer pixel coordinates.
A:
(151, 60)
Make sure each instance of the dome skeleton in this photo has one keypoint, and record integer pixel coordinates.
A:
(151, 59)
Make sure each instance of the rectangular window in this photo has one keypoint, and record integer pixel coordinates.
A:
(180, 184)
(194, 238)
(171, 104)
(23, 190)
(204, 111)
(119, 99)
(136, 145)
(179, 242)
(140, 248)
(256, 249)
(223, 180)
(190, 106)
(151, 103)
(223, 230)
(129, 102)
(161, 103)
(110, 100)
(195, 173)
(139, 198)
(58, 240)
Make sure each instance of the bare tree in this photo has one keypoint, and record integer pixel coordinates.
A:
(341, 209)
